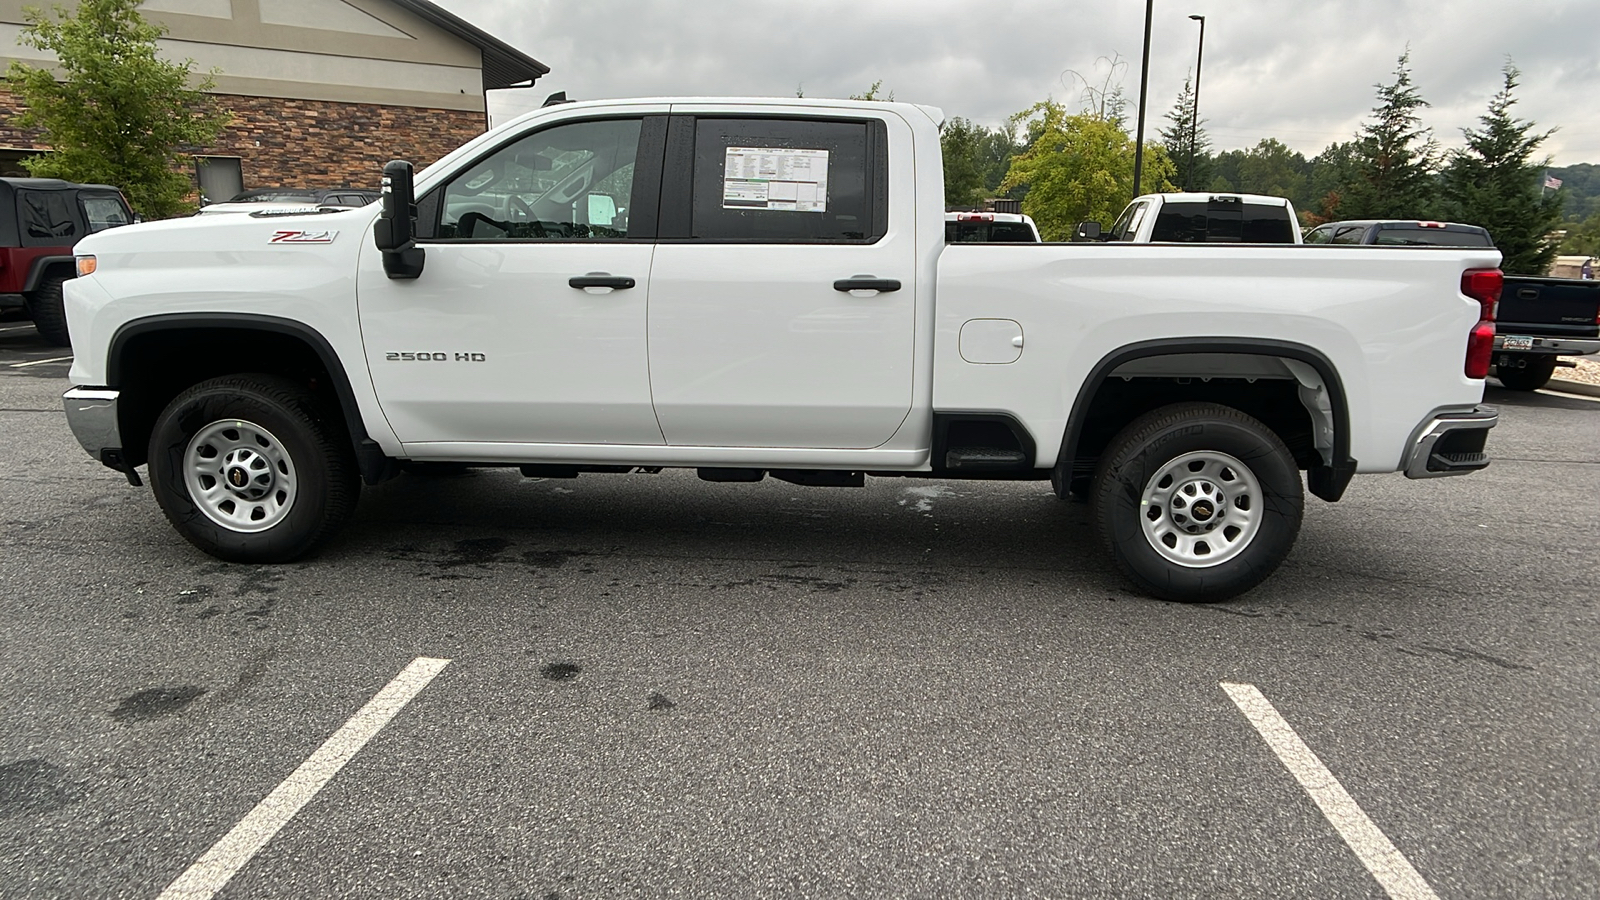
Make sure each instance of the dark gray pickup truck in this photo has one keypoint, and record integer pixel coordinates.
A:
(1539, 319)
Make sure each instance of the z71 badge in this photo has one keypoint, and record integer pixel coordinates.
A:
(303, 237)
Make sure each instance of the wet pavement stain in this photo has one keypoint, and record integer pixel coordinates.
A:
(261, 581)
(551, 559)
(659, 700)
(560, 671)
(154, 703)
(34, 786)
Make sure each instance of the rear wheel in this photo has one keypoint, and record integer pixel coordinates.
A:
(1197, 502)
(47, 307)
(252, 468)
(1524, 371)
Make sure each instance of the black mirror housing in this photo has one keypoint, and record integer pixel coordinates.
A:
(1088, 231)
(395, 231)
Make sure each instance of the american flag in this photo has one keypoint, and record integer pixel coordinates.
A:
(1552, 182)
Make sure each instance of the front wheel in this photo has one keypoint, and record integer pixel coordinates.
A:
(252, 468)
(1524, 371)
(1197, 502)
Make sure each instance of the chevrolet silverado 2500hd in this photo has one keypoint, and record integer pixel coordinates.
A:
(753, 287)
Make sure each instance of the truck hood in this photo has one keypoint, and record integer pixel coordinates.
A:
(334, 229)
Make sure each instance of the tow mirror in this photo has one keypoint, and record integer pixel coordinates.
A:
(395, 231)
(1088, 231)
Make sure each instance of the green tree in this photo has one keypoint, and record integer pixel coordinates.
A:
(1273, 169)
(1583, 238)
(1496, 182)
(119, 114)
(998, 148)
(1078, 168)
(1332, 171)
(961, 142)
(872, 93)
(1395, 156)
(1185, 140)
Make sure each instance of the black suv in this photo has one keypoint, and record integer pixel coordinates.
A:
(41, 219)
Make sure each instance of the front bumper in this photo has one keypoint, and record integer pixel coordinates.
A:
(92, 415)
(1556, 346)
(1450, 443)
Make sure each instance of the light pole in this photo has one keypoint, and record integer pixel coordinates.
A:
(1144, 81)
(1194, 110)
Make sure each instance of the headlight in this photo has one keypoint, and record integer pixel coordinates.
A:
(86, 265)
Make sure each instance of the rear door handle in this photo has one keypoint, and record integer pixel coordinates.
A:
(866, 283)
(600, 280)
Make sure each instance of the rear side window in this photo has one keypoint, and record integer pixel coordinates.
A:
(105, 212)
(1431, 237)
(784, 181)
(46, 219)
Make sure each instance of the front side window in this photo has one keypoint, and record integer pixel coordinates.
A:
(782, 181)
(570, 182)
(1319, 235)
(105, 212)
(1127, 225)
(1350, 234)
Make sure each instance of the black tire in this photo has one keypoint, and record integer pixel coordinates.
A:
(47, 307)
(308, 433)
(1524, 371)
(1133, 464)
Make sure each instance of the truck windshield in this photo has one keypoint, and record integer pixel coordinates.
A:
(988, 233)
(1432, 237)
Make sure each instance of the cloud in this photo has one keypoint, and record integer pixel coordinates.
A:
(1299, 70)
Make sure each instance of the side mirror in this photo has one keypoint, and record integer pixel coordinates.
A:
(395, 231)
(1088, 231)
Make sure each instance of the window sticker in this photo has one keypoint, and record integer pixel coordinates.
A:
(773, 178)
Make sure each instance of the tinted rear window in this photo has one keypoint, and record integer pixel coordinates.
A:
(1432, 237)
(1249, 223)
(987, 232)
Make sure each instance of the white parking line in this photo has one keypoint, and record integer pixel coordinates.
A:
(40, 362)
(1393, 871)
(227, 856)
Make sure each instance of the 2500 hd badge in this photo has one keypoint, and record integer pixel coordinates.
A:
(435, 357)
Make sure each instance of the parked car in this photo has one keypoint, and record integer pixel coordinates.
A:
(287, 199)
(813, 328)
(1539, 320)
(1200, 219)
(989, 228)
(41, 220)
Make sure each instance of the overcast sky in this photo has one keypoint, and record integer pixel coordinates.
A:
(1299, 70)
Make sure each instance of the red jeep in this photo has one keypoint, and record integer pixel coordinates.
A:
(41, 219)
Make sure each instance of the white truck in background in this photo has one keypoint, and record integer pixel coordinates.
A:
(753, 288)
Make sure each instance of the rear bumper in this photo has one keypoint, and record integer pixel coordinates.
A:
(92, 416)
(1450, 443)
(1557, 346)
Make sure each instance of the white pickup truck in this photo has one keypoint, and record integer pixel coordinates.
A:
(762, 287)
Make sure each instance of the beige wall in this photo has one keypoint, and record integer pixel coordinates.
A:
(354, 51)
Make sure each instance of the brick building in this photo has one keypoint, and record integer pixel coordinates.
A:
(323, 92)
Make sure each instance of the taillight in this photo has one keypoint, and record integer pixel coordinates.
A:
(974, 217)
(1482, 285)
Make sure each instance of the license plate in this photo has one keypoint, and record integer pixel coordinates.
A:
(1515, 342)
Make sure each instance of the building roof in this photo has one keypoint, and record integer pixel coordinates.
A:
(503, 64)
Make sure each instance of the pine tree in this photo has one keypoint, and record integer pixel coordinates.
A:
(1395, 156)
(1496, 182)
(1186, 140)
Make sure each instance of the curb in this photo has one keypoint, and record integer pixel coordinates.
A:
(1573, 387)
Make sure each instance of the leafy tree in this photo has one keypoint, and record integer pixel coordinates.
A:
(1272, 168)
(1580, 189)
(1332, 171)
(1583, 238)
(1495, 182)
(962, 144)
(872, 93)
(1395, 157)
(1077, 168)
(1186, 140)
(119, 115)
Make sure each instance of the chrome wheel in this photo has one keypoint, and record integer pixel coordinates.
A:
(1201, 509)
(240, 475)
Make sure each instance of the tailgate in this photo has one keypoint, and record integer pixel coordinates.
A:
(1564, 306)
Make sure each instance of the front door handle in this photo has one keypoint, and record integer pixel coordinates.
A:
(866, 283)
(600, 280)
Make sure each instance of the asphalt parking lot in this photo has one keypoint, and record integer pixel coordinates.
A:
(660, 687)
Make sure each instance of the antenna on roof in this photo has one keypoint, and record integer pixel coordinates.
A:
(556, 99)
